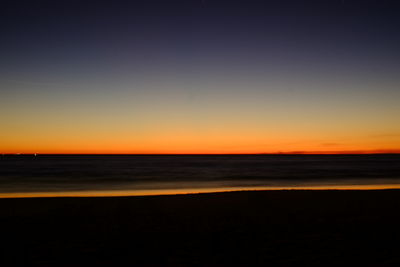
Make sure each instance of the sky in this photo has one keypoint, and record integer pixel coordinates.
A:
(199, 76)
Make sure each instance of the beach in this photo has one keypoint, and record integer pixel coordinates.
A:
(248, 228)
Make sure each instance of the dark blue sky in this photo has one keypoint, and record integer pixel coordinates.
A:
(94, 34)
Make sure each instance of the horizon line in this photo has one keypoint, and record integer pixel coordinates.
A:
(183, 154)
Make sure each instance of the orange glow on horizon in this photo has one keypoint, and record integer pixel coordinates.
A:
(211, 152)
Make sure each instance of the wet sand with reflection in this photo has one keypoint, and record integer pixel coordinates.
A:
(156, 192)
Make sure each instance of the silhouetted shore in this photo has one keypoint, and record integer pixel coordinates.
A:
(277, 228)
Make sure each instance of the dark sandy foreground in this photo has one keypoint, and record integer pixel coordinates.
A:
(268, 228)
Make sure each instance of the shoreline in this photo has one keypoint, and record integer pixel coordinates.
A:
(195, 191)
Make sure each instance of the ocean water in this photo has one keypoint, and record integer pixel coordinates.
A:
(89, 173)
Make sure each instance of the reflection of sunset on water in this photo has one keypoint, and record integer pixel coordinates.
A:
(156, 192)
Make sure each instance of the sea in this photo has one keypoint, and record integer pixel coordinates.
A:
(109, 175)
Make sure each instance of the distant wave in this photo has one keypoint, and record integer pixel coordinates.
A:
(158, 172)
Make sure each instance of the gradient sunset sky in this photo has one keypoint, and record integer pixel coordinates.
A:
(199, 76)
